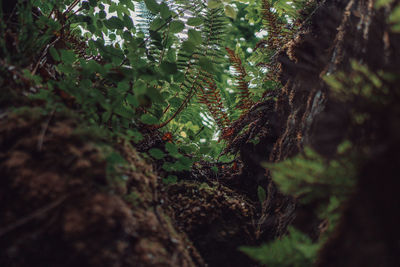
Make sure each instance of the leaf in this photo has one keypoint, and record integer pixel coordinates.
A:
(124, 112)
(179, 77)
(85, 5)
(156, 24)
(156, 153)
(189, 148)
(137, 137)
(381, 3)
(206, 64)
(168, 166)
(154, 94)
(164, 11)
(102, 14)
(148, 119)
(67, 56)
(175, 102)
(114, 23)
(54, 54)
(93, 3)
(214, 4)
(171, 55)
(152, 6)
(112, 8)
(195, 21)
(262, 196)
(140, 87)
(395, 15)
(186, 163)
(172, 149)
(214, 169)
(99, 24)
(188, 46)
(106, 116)
(131, 99)
(176, 26)
(128, 22)
(195, 37)
(179, 166)
(171, 179)
(168, 68)
(230, 12)
(123, 86)
(205, 150)
(127, 36)
(295, 249)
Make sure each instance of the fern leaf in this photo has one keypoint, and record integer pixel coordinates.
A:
(274, 27)
(245, 101)
(210, 96)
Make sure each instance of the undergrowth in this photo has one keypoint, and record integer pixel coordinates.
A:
(131, 68)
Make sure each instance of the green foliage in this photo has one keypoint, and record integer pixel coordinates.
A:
(294, 250)
(171, 179)
(371, 96)
(115, 166)
(309, 176)
(128, 65)
(152, 6)
(156, 153)
(381, 3)
(394, 17)
(262, 195)
(366, 91)
(311, 179)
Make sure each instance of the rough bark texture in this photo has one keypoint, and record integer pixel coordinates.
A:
(59, 209)
(307, 114)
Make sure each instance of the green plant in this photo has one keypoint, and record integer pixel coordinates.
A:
(261, 194)
(295, 250)
(394, 17)
(123, 74)
(310, 179)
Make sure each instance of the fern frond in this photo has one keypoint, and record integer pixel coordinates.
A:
(144, 17)
(245, 101)
(193, 8)
(212, 32)
(271, 21)
(184, 104)
(284, 7)
(210, 96)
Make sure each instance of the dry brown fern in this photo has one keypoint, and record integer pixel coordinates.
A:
(274, 27)
(210, 96)
(245, 101)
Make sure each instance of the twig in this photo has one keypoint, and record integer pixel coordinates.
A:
(72, 6)
(11, 14)
(44, 54)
